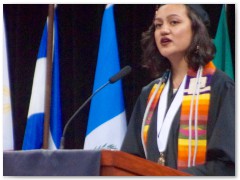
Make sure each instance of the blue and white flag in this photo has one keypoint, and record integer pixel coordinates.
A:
(8, 140)
(33, 138)
(107, 120)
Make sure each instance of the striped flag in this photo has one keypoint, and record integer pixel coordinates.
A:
(33, 138)
(107, 120)
(223, 57)
(8, 140)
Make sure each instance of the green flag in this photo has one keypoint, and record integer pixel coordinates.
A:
(223, 57)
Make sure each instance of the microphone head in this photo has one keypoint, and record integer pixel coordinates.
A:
(124, 71)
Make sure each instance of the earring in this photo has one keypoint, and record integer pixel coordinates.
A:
(197, 49)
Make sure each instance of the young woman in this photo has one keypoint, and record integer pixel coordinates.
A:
(186, 118)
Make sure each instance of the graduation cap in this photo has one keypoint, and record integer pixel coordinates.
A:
(198, 9)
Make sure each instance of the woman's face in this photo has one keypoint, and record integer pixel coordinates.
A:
(173, 32)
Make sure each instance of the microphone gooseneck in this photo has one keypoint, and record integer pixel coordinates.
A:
(125, 71)
(79, 109)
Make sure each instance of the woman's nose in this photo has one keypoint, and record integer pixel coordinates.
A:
(165, 30)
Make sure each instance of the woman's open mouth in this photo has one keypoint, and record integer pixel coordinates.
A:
(165, 41)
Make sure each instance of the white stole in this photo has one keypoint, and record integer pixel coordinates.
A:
(165, 119)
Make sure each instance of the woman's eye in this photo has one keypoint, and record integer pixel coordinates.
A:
(157, 26)
(174, 22)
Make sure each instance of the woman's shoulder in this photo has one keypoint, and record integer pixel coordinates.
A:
(220, 78)
(221, 82)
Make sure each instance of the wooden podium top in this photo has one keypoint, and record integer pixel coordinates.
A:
(118, 163)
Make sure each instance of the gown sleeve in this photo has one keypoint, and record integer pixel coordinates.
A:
(221, 131)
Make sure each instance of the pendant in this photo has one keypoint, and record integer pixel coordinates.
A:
(161, 159)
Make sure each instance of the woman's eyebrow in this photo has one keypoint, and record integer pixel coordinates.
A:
(169, 16)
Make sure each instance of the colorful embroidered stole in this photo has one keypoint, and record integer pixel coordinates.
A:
(192, 142)
(151, 110)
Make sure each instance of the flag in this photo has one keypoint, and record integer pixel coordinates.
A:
(56, 110)
(33, 138)
(223, 57)
(107, 120)
(8, 140)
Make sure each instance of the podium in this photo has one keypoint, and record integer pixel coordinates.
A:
(81, 163)
(117, 163)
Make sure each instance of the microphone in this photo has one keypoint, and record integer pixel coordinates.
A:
(123, 72)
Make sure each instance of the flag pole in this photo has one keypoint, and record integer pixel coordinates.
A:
(48, 77)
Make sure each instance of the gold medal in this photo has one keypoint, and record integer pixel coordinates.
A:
(161, 159)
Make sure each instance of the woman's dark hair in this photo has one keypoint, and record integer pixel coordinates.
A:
(200, 52)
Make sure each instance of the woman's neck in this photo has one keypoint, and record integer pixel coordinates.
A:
(179, 70)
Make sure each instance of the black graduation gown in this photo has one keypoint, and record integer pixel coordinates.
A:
(220, 158)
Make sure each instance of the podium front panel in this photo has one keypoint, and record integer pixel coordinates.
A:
(51, 163)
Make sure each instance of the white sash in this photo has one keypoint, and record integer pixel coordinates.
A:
(164, 122)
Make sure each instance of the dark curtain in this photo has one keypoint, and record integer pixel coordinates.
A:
(79, 31)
